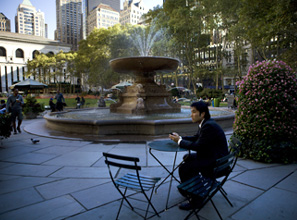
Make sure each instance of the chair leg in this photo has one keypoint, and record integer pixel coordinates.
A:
(223, 191)
(194, 211)
(122, 201)
(150, 203)
(216, 209)
(225, 196)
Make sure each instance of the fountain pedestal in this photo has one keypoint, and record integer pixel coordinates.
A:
(145, 96)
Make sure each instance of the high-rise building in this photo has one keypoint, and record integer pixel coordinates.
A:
(29, 21)
(89, 5)
(115, 4)
(103, 16)
(69, 22)
(4, 23)
(132, 12)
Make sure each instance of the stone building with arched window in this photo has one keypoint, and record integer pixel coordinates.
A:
(15, 51)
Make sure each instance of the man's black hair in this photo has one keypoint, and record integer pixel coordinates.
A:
(202, 106)
(2, 101)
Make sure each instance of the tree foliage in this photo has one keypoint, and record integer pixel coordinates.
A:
(98, 49)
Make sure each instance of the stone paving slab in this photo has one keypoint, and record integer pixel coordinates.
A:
(7, 153)
(96, 147)
(31, 158)
(97, 196)
(265, 178)
(81, 172)
(29, 170)
(249, 164)
(58, 208)
(275, 204)
(75, 159)
(18, 199)
(56, 150)
(289, 183)
(19, 183)
(66, 186)
(108, 212)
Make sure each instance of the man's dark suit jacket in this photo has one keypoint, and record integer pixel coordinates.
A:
(210, 142)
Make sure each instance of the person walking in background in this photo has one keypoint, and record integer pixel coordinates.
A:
(78, 103)
(14, 106)
(60, 101)
(82, 103)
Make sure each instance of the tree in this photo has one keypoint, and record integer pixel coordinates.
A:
(39, 67)
(59, 70)
(70, 69)
(189, 39)
(97, 50)
(271, 26)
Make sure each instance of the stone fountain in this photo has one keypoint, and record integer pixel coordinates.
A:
(145, 96)
(142, 107)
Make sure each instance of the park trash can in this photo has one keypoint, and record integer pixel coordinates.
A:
(212, 102)
(216, 102)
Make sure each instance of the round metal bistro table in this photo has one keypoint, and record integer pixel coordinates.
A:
(166, 146)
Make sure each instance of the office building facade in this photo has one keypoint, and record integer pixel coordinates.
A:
(103, 16)
(132, 12)
(29, 21)
(69, 22)
(90, 5)
(15, 51)
(115, 4)
(4, 23)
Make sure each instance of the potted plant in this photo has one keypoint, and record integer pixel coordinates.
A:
(5, 125)
(31, 108)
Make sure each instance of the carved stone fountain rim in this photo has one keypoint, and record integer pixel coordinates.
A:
(144, 64)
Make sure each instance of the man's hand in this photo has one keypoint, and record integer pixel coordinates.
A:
(174, 136)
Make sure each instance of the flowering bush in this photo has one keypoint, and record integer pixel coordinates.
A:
(266, 119)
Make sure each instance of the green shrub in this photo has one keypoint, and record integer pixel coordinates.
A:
(175, 92)
(211, 93)
(31, 105)
(266, 119)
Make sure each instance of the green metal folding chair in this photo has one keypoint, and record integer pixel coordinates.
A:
(131, 181)
(204, 188)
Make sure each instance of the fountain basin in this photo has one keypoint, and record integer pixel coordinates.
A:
(128, 126)
(144, 64)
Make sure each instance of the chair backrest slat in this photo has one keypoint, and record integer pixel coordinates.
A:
(224, 159)
(223, 166)
(121, 165)
(119, 157)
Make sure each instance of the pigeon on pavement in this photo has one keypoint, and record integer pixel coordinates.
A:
(34, 141)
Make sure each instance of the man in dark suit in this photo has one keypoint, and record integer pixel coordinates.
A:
(209, 144)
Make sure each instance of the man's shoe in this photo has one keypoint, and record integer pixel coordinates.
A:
(19, 130)
(186, 206)
(14, 132)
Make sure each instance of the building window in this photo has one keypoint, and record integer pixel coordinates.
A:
(2, 52)
(19, 53)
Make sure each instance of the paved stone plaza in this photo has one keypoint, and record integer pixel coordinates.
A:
(67, 179)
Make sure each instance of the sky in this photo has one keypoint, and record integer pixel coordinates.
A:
(9, 8)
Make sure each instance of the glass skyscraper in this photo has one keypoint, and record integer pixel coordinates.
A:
(29, 21)
(69, 22)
